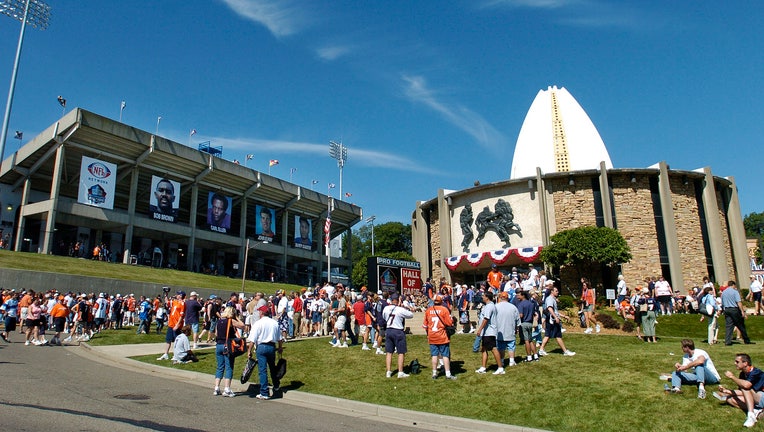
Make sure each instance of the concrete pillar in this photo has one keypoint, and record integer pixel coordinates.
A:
(55, 186)
(419, 230)
(714, 228)
(192, 226)
(130, 216)
(444, 216)
(738, 238)
(543, 207)
(607, 205)
(669, 227)
(22, 219)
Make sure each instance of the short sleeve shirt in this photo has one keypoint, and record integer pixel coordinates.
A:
(489, 312)
(755, 377)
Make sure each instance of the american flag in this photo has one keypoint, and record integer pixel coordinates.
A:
(250, 156)
(292, 170)
(62, 101)
(331, 185)
(327, 229)
(273, 162)
(123, 105)
(348, 194)
(19, 135)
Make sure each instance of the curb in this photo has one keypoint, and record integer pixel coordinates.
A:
(381, 413)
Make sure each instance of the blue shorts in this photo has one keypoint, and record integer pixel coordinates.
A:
(395, 340)
(170, 335)
(195, 327)
(316, 317)
(757, 296)
(553, 330)
(505, 345)
(443, 350)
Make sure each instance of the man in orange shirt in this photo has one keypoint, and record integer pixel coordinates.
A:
(494, 278)
(176, 308)
(59, 312)
(24, 303)
(436, 319)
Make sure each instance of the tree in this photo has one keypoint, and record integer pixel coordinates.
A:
(585, 249)
(391, 240)
(754, 228)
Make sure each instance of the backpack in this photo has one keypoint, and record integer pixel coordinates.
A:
(414, 367)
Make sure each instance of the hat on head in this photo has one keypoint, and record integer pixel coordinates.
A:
(530, 265)
(438, 299)
(549, 282)
(264, 310)
(101, 295)
(213, 297)
(181, 292)
(493, 266)
(193, 293)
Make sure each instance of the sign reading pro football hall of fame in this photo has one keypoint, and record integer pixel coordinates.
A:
(387, 274)
(97, 183)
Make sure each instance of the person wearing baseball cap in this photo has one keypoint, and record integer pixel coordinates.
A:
(191, 314)
(265, 340)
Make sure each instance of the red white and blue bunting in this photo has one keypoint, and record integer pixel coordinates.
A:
(528, 255)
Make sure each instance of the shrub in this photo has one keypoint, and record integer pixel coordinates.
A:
(629, 326)
(608, 321)
(564, 302)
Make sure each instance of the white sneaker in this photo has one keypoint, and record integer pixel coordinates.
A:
(345, 345)
(216, 392)
(723, 398)
(499, 371)
(542, 352)
(480, 371)
(563, 330)
(472, 330)
(597, 328)
(163, 357)
(664, 377)
(512, 363)
(365, 347)
(750, 421)
(228, 393)
(569, 353)
(195, 346)
(588, 330)
(388, 374)
(26, 343)
(68, 339)
(374, 345)
(379, 352)
(403, 375)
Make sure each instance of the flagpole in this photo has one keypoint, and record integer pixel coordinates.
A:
(158, 120)
(121, 108)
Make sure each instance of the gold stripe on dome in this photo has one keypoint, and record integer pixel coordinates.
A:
(562, 162)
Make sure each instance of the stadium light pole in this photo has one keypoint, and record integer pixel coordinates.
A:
(339, 152)
(37, 14)
(371, 220)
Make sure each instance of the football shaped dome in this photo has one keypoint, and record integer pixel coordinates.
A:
(557, 136)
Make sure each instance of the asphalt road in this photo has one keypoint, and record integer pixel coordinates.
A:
(57, 389)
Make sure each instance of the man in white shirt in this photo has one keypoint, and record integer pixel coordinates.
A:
(395, 316)
(266, 340)
(705, 371)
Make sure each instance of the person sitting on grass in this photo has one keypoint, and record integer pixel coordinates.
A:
(705, 371)
(182, 351)
(748, 396)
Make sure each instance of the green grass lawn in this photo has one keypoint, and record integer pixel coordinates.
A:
(86, 267)
(611, 384)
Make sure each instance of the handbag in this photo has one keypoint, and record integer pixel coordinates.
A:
(248, 369)
(281, 368)
(233, 346)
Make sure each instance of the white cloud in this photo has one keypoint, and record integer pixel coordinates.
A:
(367, 158)
(332, 52)
(538, 4)
(583, 13)
(282, 18)
(463, 118)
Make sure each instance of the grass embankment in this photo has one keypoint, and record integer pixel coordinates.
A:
(85, 267)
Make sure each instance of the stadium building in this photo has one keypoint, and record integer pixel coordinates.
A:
(680, 224)
(88, 180)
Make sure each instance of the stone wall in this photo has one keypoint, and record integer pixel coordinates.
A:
(689, 233)
(635, 220)
(726, 235)
(437, 259)
(573, 204)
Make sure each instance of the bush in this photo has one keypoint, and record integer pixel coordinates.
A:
(629, 326)
(608, 321)
(564, 302)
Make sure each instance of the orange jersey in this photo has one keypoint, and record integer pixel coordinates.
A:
(176, 313)
(59, 311)
(494, 278)
(588, 296)
(436, 318)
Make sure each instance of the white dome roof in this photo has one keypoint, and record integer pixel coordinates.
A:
(557, 136)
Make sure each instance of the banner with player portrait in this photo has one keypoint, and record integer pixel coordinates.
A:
(265, 223)
(218, 212)
(97, 183)
(302, 233)
(164, 201)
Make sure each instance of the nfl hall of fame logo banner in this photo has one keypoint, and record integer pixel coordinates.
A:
(97, 183)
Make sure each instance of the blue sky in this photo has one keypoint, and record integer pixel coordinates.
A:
(425, 94)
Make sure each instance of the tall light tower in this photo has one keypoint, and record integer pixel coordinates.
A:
(371, 220)
(339, 152)
(37, 14)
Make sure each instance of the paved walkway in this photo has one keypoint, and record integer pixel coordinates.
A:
(118, 355)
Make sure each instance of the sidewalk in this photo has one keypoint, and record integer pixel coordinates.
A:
(118, 356)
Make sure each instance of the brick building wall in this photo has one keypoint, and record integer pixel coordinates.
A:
(689, 233)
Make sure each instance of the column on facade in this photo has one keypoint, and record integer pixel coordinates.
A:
(55, 186)
(714, 227)
(192, 226)
(284, 242)
(128, 245)
(420, 241)
(444, 216)
(607, 205)
(543, 207)
(22, 219)
(669, 227)
(737, 237)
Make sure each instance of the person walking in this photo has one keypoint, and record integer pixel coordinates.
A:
(734, 314)
(266, 339)
(553, 324)
(226, 329)
(436, 319)
(395, 317)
